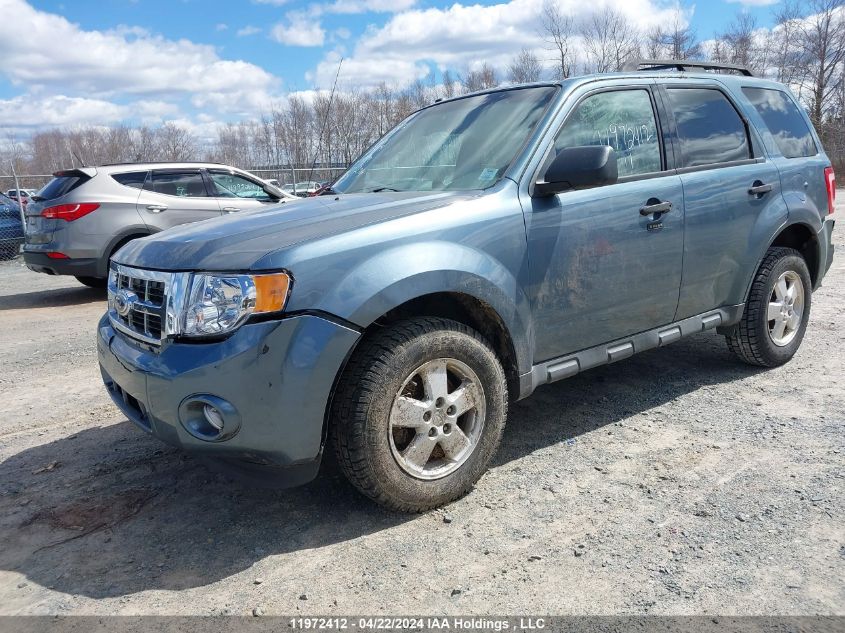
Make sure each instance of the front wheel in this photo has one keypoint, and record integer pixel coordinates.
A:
(419, 413)
(778, 308)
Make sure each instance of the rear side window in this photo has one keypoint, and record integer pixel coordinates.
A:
(62, 185)
(134, 179)
(623, 119)
(710, 131)
(780, 114)
(183, 184)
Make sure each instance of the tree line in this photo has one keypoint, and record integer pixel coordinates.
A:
(804, 49)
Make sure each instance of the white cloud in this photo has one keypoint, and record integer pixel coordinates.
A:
(462, 36)
(362, 6)
(58, 55)
(221, 27)
(248, 30)
(300, 30)
(755, 3)
(33, 111)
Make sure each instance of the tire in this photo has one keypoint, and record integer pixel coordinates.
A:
(92, 282)
(393, 379)
(759, 340)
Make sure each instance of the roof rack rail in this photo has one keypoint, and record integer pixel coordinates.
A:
(685, 65)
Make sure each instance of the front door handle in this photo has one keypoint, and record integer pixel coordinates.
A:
(655, 206)
(231, 209)
(759, 189)
(157, 208)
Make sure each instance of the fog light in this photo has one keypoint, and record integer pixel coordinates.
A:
(209, 418)
(213, 417)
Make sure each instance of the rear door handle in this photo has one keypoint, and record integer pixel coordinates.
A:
(231, 209)
(759, 189)
(157, 208)
(655, 206)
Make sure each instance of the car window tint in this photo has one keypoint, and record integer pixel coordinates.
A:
(184, 184)
(61, 185)
(623, 119)
(228, 185)
(134, 179)
(781, 116)
(709, 128)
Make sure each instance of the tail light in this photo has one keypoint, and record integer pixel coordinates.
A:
(57, 255)
(70, 212)
(830, 183)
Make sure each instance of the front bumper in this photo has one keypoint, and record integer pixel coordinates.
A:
(278, 375)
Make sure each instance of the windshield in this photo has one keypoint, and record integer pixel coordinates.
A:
(457, 145)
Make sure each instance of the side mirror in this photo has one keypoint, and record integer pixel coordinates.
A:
(579, 168)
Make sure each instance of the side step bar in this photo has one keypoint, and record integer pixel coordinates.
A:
(572, 364)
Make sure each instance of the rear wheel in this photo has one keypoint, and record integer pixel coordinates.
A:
(419, 413)
(775, 317)
(92, 282)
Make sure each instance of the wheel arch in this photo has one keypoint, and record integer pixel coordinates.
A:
(118, 241)
(803, 239)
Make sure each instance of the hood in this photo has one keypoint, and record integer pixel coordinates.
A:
(237, 242)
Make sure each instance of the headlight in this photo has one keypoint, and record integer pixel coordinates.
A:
(219, 303)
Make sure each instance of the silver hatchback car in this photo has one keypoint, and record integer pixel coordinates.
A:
(84, 215)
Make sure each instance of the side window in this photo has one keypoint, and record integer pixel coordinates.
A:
(780, 114)
(623, 119)
(228, 185)
(184, 184)
(134, 179)
(710, 131)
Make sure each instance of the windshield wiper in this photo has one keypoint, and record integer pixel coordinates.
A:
(378, 189)
(37, 198)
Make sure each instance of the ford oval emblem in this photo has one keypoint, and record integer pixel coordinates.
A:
(123, 302)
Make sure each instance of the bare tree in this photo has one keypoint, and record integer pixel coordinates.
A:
(481, 79)
(676, 41)
(609, 40)
(559, 29)
(738, 41)
(820, 42)
(175, 143)
(525, 67)
(448, 84)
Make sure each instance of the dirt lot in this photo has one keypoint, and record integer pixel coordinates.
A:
(679, 481)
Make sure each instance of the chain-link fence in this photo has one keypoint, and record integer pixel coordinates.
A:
(11, 228)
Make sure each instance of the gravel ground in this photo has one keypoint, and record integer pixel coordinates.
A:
(676, 482)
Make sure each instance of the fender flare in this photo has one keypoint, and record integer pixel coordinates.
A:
(405, 272)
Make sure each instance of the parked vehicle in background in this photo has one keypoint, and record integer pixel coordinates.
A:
(21, 195)
(82, 216)
(489, 244)
(11, 227)
(302, 189)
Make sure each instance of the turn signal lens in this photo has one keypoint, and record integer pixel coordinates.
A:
(69, 212)
(271, 292)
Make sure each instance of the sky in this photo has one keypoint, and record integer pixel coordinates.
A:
(202, 62)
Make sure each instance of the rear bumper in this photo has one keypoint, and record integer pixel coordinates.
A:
(40, 263)
(826, 248)
(278, 377)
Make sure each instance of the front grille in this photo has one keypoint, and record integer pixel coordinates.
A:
(138, 302)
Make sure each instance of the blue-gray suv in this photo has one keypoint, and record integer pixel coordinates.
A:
(489, 244)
